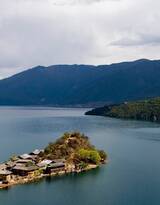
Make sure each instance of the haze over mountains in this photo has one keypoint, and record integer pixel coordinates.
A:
(82, 85)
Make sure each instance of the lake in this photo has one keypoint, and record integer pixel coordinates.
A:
(132, 176)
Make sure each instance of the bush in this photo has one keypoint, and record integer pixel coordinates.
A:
(95, 157)
(89, 156)
(83, 165)
(103, 155)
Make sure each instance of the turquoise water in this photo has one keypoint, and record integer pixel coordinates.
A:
(132, 176)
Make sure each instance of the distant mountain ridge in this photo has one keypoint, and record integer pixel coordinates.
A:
(82, 85)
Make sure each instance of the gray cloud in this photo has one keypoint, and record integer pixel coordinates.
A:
(139, 40)
(77, 2)
(37, 32)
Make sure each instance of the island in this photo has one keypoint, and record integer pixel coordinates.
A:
(71, 153)
(146, 110)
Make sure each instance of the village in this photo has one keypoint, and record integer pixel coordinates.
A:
(71, 153)
(26, 168)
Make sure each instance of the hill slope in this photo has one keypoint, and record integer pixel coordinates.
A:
(146, 110)
(73, 85)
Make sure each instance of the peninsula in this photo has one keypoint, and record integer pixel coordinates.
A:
(146, 110)
(71, 153)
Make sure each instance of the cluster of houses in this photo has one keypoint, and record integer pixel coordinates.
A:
(27, 166)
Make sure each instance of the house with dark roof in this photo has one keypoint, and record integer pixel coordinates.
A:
(55, 167)
(22, 170)
(25, 161)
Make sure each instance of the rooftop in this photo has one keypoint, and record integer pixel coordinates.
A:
(25, 156)
(45, 162)
(3, 166)
(24, 161)
(56, 165)
(5, 172)
(10, 164)
(24, 168)
(59, 160)
(37, 151)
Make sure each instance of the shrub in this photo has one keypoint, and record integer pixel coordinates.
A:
(103, 155)
(83, 165)
(89, 156)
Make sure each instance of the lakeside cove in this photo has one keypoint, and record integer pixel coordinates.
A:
(72, 153)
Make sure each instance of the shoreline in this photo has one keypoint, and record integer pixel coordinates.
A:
(27, 180)
(71, 153)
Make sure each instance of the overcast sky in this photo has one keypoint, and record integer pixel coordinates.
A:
(47, 32)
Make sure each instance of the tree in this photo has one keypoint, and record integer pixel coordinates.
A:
(89, 156)
(95, 157)
(103, 155)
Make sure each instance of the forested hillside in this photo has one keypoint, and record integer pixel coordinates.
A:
(147, 110)
(82, 85)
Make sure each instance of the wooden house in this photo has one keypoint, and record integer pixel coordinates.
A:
(24, 170)
(5, 176)
(55, 167)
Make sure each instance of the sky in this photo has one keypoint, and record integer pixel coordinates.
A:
(48, 32)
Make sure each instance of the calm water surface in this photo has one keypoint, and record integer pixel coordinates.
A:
(131, 178)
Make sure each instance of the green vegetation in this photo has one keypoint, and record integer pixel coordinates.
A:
(103, 155)
(88, 156)
(82, 165)
(147, 110)
(75, 148)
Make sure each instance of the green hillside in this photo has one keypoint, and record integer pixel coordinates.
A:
(147, 110)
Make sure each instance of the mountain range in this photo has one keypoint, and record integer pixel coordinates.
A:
(82, 85)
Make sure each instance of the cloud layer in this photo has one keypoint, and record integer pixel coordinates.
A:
(38, 32)
(78, 2)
